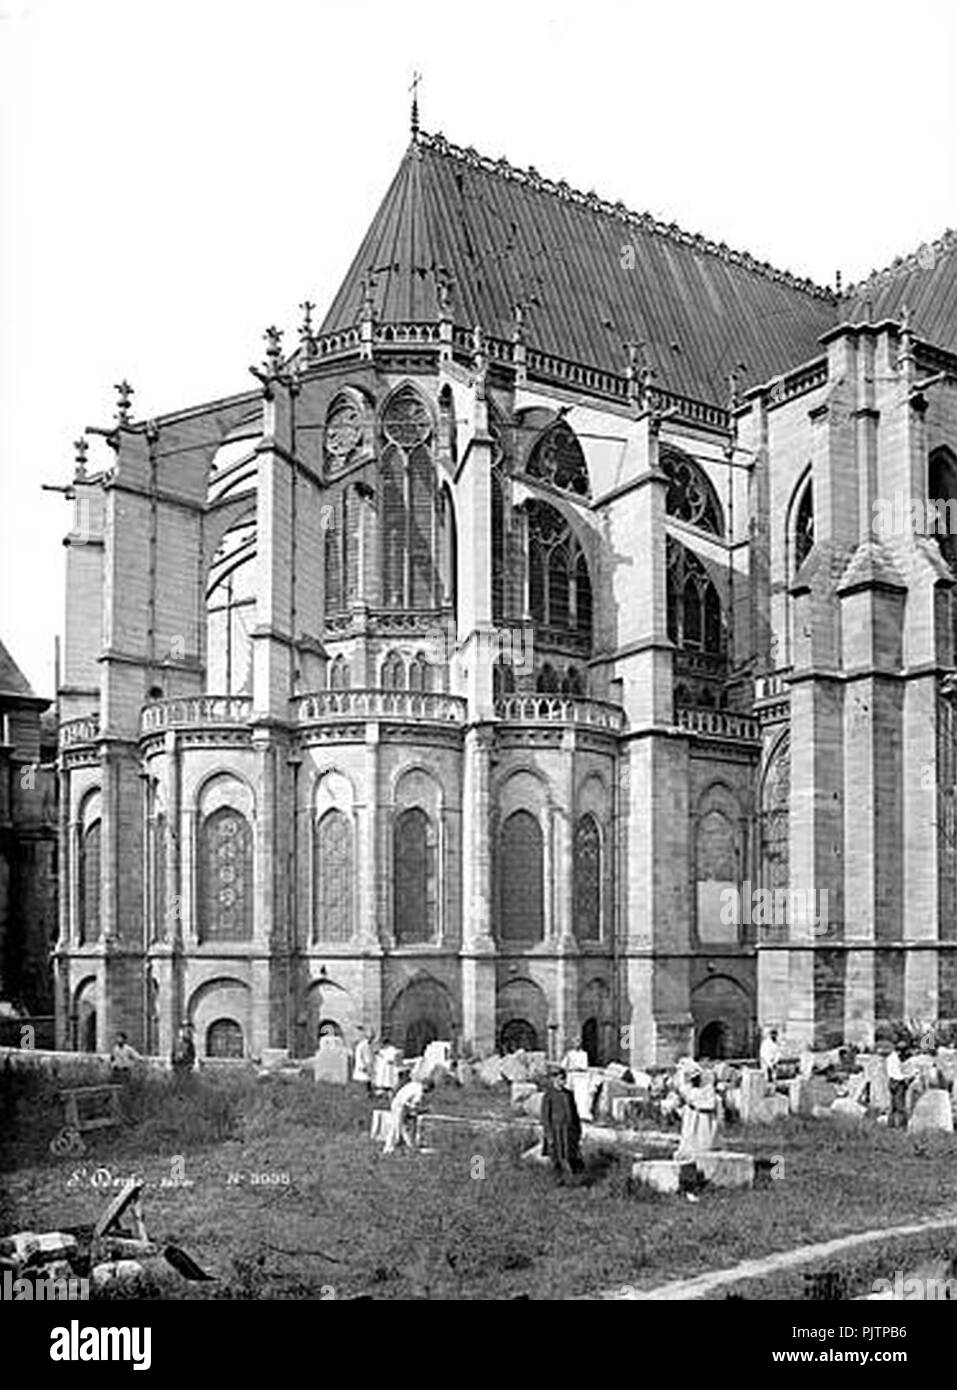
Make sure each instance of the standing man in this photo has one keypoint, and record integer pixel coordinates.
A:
(770, 1054)
(184, 1053)
(362, 1061)
(561, 1127)
(408, 1101)
(123, 1059)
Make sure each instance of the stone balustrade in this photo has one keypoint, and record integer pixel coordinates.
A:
(195, 712)
(718, 723)
(560, 709)
(430, 707)
(73, 732)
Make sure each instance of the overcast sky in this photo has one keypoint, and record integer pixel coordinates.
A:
(177, 174)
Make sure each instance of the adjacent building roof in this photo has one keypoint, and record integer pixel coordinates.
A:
(13, 683)
(590, 276)
(924, 282)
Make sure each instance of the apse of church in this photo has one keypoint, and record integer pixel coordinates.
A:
(482, 655)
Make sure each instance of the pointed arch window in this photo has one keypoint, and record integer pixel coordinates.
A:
(339, 674)
(420, 673)
(559, 590)
(691, 497)
(942, 493)
(225, 877)
(224, 1039)
(695, 618)
(557, 459)
(775, 818)
(393, 672)
(804, 526)
(409, 517)
(89, 883)
(159, 877)
(521, 879)
(230, 611)
(335, 878)
(587, 877)
(414, 878)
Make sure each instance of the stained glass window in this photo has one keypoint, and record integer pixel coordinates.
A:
(414, 877)
(89, 883)
(420, 674)
(557, 459)
(587, 871)
(521, 880)
(335, 878)
(339, 677)
(804, 527)
(694, 608)
(393, 672)
(560, 594)
(225, 877)
(775, 807)
(410, 572)
(690, 496)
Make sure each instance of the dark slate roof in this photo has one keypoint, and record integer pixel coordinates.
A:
(925, 281)
(501, 235)
(12, 680)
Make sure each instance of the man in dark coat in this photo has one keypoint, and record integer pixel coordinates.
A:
(561, 1127)
(184, 1054)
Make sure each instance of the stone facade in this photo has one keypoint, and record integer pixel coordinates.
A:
(444, 686)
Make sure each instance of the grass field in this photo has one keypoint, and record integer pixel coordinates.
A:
(274, 1187)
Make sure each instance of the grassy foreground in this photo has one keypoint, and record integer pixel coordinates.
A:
(274, 1186)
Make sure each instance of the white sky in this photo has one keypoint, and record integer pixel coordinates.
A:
(177, 174)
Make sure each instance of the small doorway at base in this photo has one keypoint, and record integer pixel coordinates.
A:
(418, 1035)
(713, 1041)
(518, 1034)
(88, 1031)
(591, 1041)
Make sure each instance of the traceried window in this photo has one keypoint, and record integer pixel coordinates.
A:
(556, 458)
(393, 672)
(339, 674)
(224, 1038)
(420, 673)
(804, 526)
(694, 608)
(560, 593)
(230, 612)
(521, 879)
(414, 878)
(775, 809)
(89, 883)
(225, 877)
(942, 495)
(690, 496)
(347, 437)
(159, 878)
(587, 872)
(335, 878)
(411, 576)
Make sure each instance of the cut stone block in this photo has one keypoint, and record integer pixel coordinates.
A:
(532, 1105)
(112, 1272)
(752, 1093)
(331, 1065)
(27, 1247)
(490, 1071)
(663, 1174)
(537, 1064)
(627, 1110)
(514, 1067)
(722, 1168)
(932, 1113)
(947, 1065)
(274, 1057)
(847, 1110)
(521, 1090)
(878, 1086)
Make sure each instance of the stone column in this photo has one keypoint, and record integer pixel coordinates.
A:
(478, 946)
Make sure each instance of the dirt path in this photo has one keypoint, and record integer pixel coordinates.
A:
(703, 1284)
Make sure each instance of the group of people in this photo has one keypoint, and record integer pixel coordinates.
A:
(125, 1061)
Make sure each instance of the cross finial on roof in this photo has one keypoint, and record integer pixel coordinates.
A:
(414, 89)
(306, 336)
(124, 393)
(82, 449)
(273, 338)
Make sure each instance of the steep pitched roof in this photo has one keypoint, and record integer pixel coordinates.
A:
(925, 281)
(590, 275)
(12, 680)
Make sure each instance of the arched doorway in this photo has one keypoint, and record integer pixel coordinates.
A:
(517, 1035)
(591, 1041)
(418, 1035)
(88, 1031)
(713, 1041)
(224, 1038)
(422, 1013)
